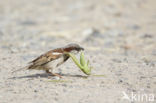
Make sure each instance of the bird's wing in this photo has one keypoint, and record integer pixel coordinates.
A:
(45, 58)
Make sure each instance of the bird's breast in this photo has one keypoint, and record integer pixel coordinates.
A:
(54, 63)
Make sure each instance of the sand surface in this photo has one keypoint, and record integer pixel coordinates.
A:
(119, 37)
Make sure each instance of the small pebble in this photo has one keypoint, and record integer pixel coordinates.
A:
(35, 91)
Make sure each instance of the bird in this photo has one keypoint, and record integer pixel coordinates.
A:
(53, 58)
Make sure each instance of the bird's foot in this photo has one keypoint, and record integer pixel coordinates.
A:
(53, 74)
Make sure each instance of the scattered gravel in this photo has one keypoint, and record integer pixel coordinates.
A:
(118, 37)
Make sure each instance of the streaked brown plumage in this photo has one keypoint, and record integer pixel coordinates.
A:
(53, 58)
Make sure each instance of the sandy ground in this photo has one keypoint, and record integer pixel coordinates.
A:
(119, 37)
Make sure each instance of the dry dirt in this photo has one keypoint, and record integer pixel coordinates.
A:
(119, 37)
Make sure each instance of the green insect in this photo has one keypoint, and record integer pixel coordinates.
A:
(84, 67)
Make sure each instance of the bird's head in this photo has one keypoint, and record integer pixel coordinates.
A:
(73, 48)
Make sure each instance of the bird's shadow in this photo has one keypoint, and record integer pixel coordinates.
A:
(45, 75)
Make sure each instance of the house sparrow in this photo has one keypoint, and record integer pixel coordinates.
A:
(53, 58)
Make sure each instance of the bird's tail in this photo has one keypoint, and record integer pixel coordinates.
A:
(26, 67)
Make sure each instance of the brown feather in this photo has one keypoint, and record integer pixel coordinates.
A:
(43, 59)
(42, 62)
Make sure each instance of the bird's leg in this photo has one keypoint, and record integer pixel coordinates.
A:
(54, 74)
